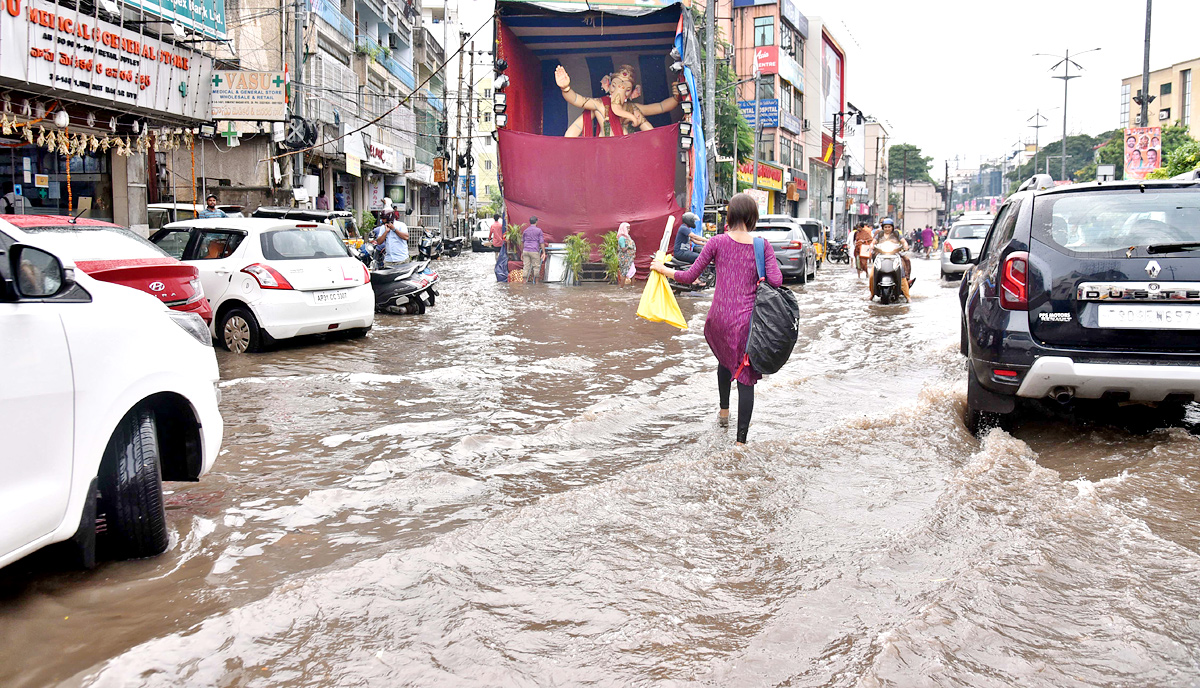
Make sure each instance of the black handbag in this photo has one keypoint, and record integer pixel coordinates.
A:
(775, 323)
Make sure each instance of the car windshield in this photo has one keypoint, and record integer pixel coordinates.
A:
(302, 243)
(1119, 220)
(969, 231)
(94, 243)
(812, 231)
(773, 231)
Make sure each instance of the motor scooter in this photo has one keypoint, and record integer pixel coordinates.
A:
(888, 270)
(452, 246)
(839, 252)
(430, 246)
(707, 278)
(407, 289)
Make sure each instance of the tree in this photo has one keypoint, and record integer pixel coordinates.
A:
(918, 165)
(731, 126)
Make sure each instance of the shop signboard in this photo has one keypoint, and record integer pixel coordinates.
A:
(257, 96)
(382, 157)
(1143, 151)
(752, 3)
(766, 59)
(788, 10)
(206, 17)
(790, 71)
(789, 122)
(769, 176)
(768, 109)
(51, 49)
(762, 198)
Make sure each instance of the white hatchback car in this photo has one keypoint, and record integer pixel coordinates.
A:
(91, 423)
(967, 233)
(270, 279)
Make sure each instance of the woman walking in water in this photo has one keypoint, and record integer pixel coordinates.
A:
(626, 250)
(727, 326)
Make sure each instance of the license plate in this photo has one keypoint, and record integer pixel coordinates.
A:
(1149, 317)
(330, 296)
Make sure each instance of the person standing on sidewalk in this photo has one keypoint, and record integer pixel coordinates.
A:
(394, 239)
(727, 325)
(533, 250)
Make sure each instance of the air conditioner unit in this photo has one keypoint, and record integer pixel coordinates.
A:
(805, 126)
(1164, 114)
(410, 165)
(394, 41)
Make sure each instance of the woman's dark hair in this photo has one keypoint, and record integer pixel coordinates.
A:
(743, 210)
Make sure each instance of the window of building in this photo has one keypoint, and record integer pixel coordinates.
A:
(799, 103)
(764, 31)
(785, 98)
(487, 94)
(1165, 89)
(487, 164)
(1125, 105)
(1187, 97)
(487, 117)
(785, 152)
(766, 148)
(766, 86)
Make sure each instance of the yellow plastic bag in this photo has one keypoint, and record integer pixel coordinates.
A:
(658, 301)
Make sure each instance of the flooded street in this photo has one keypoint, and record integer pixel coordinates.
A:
(529, 486)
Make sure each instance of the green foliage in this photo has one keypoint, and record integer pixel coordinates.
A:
(918, 164)
(366, 223)
(608, 254)
(731, 126)
(578, 251)
(373, 53)
(514, 239)
(1184, 158)
(1173, 137)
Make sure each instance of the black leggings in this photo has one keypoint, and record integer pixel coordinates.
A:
(745, 400)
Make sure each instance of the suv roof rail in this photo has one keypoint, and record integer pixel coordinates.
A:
(1192, 176)
(1037, 182)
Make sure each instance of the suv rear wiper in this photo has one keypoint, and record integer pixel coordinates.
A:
(1172, 248)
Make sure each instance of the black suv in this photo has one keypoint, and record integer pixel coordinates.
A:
(1088, 291)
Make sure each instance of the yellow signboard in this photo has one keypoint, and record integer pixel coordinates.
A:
(769, 176)
(353, 165)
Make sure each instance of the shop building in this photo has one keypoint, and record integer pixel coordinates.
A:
(1174, 98)
(91, 98)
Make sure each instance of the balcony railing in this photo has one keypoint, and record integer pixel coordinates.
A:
(333, 16)
(384, 58)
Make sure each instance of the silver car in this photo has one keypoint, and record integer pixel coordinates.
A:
(793, 250)
(968, 234)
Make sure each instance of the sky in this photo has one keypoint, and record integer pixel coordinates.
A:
(961, 79)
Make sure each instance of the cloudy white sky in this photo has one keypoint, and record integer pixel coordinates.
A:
(959, 78)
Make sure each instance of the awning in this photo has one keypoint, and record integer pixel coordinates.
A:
(422, 175)
(353, 145)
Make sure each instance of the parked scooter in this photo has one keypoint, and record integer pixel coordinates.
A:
(430, 246)
(839, 252)
(888, 271)
(407, 289)
(452, 246)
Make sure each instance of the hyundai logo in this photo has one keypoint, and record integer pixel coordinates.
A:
(157, 286)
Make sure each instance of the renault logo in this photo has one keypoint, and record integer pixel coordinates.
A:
(1153, 268)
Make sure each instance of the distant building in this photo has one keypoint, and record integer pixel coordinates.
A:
(1173, 93)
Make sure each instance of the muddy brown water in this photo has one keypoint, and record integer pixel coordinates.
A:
(528, 486)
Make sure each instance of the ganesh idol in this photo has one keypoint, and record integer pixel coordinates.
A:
(614, 114)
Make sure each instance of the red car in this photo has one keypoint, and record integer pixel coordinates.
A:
(112, 253)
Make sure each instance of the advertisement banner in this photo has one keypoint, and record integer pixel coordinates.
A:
(787, 10)
(832, 91)
(769, 176)
(205, 17)
(57, 49)
(790, 122)
(768, 109)
(256, 96)
(1143, 151)
(766, 57)
(752, 3)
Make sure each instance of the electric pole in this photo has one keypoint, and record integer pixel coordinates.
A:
(710, 93)
(903, 194)
(757, 128)
(1144, 101)
(298, 104)
(1036, 126)
(1065, 62)
(470, 127)
(946, 186)
(462, 36)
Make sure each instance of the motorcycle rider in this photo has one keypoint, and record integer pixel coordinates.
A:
(888, 232)
(685, 238)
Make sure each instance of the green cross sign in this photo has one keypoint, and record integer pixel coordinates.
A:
(231, 135)
(183, 88)
(278, 81)
(216, 81)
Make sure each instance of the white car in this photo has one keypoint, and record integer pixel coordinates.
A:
(106, 393)
(269, 279)
(967, 233)
(481, 236)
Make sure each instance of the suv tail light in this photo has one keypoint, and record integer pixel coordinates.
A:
(1014, 282)
(268, 277)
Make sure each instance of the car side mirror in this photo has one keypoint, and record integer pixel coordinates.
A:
(37, 274)
(962, 256)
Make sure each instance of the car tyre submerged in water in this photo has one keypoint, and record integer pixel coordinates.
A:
(130, 485)
(239, 331)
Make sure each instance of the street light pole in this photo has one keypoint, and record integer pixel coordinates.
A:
(1037, 130)
(1143, 120)
(1065, 62)
(757, 130)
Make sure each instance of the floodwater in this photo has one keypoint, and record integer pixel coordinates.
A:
(528, 486)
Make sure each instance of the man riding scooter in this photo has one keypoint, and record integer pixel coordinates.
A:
(686, 239)
(888, 233)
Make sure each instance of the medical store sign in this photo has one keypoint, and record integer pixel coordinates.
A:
(46, 46)
(238, 95)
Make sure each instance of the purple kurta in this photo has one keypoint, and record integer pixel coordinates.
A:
(727, 327)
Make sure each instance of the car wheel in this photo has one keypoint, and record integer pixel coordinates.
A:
(357, 332)
(803, 279)
(130, 484)
(240, 332)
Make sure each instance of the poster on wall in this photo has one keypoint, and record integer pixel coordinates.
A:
(1143, 151)
(255, 96)
(831, 80)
